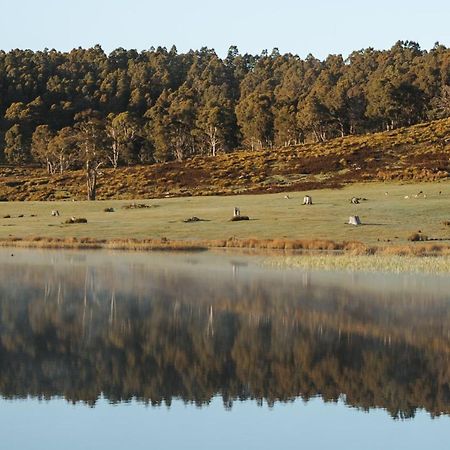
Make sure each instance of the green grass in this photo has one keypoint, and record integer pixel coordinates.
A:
(385, 217)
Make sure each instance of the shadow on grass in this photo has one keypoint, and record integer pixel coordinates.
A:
(374, 224)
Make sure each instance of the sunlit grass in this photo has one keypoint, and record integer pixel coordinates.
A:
(412, 154)
(387, 219)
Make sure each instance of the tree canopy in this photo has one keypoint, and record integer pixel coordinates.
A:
(159, 105)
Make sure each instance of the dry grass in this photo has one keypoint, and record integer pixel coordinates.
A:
(418, 153)
(91, 244)
(350, 249)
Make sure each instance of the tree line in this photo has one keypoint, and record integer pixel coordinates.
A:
(85, 108)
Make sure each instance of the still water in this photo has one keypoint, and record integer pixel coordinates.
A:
(103, 350)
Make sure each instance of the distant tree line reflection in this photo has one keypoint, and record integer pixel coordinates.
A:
(81, 333)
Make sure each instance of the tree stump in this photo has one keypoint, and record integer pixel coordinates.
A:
(307, 200)
(354, 220)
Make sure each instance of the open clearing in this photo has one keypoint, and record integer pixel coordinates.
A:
(385, 218)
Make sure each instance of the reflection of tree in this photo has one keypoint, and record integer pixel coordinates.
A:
(79, 333)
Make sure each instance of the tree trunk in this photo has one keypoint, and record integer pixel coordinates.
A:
(115, 155)
(213, 141)
(91, 181)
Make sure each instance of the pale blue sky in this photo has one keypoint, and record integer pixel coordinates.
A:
(319, 27)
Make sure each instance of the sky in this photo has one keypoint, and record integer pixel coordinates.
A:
(301, 27)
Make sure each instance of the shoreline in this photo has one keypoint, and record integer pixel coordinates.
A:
(349, 248)
(420, 259)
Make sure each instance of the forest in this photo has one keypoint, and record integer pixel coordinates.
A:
(86, 108)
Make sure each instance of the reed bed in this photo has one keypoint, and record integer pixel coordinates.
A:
(350, 249)
(91, 244)
(365, 263)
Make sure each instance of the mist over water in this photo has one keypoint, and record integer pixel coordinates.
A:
(223, 333)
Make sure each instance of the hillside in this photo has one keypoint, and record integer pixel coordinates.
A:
(417, 153)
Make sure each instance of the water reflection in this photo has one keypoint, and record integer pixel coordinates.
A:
(162, 327)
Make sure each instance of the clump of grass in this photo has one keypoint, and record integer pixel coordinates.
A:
(137, 206)
(417, 237)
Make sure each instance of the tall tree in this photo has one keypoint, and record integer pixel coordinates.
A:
(92, 141)
(63, 149)
(256, 120)
(122, 130)
(16, 149)
(40, 148)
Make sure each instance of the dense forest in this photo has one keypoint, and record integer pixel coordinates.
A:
(87, 108)
(160, 332)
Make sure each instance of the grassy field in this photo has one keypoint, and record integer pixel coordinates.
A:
(386, 218)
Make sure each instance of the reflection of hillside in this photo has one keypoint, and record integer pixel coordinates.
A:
(80, 331)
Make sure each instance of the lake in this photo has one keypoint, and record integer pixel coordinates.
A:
(115, 350)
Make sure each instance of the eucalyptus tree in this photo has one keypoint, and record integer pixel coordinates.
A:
(92, 142)
(122, 130)
(16, 148)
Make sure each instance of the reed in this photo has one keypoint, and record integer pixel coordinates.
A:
(350, 249)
